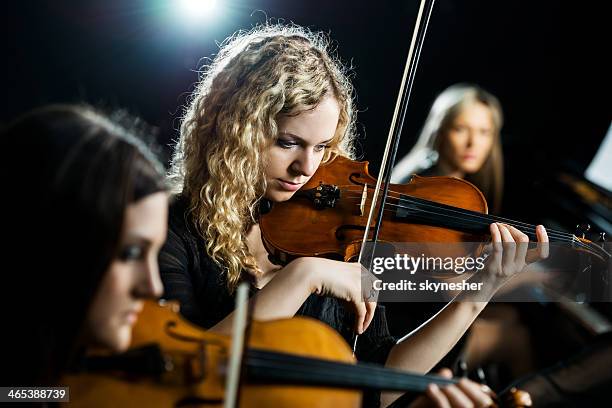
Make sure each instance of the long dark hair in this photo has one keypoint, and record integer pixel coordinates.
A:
(71, 174)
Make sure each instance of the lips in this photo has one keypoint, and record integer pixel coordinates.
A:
(289, 185)
(132, 315)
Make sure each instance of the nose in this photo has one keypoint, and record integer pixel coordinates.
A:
(150, 285)
(470, 138)
(305, 164)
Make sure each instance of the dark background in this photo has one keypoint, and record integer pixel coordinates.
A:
(545, 60)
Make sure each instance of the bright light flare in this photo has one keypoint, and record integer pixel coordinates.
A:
(196, 9)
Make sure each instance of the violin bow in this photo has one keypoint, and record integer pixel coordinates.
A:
(395, 131)
(235, 362)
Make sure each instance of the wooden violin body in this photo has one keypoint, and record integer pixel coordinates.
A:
(322, 221)
(174, 363)
(328, 215)
(297, 362)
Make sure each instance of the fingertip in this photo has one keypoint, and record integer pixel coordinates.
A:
(543, 233)
(495, 232)
(445, 372)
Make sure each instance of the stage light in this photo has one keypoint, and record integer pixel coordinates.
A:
(197, 8)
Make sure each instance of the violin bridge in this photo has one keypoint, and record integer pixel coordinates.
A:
(364, 196)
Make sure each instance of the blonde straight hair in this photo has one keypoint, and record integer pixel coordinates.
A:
(425, 153)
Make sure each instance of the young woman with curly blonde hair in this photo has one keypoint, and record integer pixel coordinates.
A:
(267, 112)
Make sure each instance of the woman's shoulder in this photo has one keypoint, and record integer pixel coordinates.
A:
(179, 217)
(182, 237)
(178, 205)
(429, 172)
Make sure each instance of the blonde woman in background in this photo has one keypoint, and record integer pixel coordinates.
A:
(460, 138)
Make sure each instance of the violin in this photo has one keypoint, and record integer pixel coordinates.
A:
(297, 362)
(329, 214)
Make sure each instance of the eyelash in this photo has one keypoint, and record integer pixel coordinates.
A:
(285, 144)
(288, 145)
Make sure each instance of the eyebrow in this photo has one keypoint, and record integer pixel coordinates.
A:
(138, 239)
(302, 140)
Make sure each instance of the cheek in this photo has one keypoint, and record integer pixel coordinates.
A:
(483, 146)
(105, 324)
(275, 163)
(487, 145)
(453, 146)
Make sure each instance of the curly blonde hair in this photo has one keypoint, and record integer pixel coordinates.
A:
(219, 162)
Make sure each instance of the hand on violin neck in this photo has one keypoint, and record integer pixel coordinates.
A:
(465, 393)
(510, 253)
(510, 249)
(342, 280)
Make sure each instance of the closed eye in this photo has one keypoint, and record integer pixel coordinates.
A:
(285, 144)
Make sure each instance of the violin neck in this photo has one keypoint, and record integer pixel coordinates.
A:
(279, 368)
(418, 210)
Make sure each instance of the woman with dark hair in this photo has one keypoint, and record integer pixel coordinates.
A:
(87, 216)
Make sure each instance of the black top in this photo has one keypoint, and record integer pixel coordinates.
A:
(198, 283)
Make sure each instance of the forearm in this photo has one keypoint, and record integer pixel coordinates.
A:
(421, 351)
(280, 298)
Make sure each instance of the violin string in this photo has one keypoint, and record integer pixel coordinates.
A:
(561, 238)
(465, 212)
(553, 236)
(485, 224)
(485, 217)
(481, 219)
(485, 221)
(558, 236)
(283, 366)
(529, 229)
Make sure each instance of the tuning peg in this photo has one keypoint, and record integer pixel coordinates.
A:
(461, 369)
(480, 374)
(582, 229)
